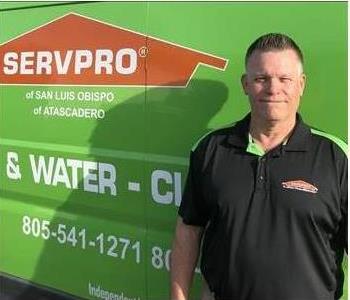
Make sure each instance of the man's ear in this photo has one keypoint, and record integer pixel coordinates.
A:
(302, 83)
(244, 83)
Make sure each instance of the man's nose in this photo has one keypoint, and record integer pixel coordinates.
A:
(273, 86)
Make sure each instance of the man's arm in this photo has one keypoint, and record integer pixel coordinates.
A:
(184, 257)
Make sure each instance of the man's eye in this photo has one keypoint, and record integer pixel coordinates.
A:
(286, 79)
(260, 79)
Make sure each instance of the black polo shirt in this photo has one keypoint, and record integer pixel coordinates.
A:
(276, 223)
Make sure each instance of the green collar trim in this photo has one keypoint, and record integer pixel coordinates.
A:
(254, 148)
(342, 145)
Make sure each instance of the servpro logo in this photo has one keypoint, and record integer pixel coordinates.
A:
(77, 50)
(102, 61)
(300, 185)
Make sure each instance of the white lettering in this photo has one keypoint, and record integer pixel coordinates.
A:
(100, 61)
(61, 174)
(44, 60)
(99, 292)
(72, 112)
(89, 168)
(27, 61)
(40, 169)
(160, 193)
(10, 62)
(108, 178)
(74, 164)
(97, 177)
(157, 176)
(83, 60)
(43, 95)
(104, 59)
(62, 68)
(132, 61)
(177, 188)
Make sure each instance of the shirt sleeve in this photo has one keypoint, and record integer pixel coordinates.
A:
(344, 206)
(193, 208)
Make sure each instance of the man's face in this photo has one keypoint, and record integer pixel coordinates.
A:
(274, 83)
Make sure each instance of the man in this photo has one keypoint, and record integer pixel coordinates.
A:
(268, 195)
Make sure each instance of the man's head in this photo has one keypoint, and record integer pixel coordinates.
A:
(274, 79)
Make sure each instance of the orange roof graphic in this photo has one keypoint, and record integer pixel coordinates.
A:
(77, 50)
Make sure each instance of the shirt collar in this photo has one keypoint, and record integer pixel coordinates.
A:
(298, 140)
(239, 133)
(253, 147)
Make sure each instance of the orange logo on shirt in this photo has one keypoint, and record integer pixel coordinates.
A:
(300, 185)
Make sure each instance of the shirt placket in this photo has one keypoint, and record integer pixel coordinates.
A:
(261, 174)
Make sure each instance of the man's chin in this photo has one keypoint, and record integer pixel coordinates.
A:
(268, 117)
(274, 118)
(271, 115)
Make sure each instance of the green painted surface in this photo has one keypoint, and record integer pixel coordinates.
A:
(146, 133)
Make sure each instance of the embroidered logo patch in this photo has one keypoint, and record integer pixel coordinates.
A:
(300, 185)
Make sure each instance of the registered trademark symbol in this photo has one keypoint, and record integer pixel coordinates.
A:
(143, 51)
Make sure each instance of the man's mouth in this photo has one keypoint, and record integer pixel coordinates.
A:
(272, 101)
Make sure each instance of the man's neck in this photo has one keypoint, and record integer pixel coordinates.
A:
(269, 134)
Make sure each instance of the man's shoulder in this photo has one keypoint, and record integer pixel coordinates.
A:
(214, 136)
(328, 138)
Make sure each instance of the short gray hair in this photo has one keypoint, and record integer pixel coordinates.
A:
(271, 42)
